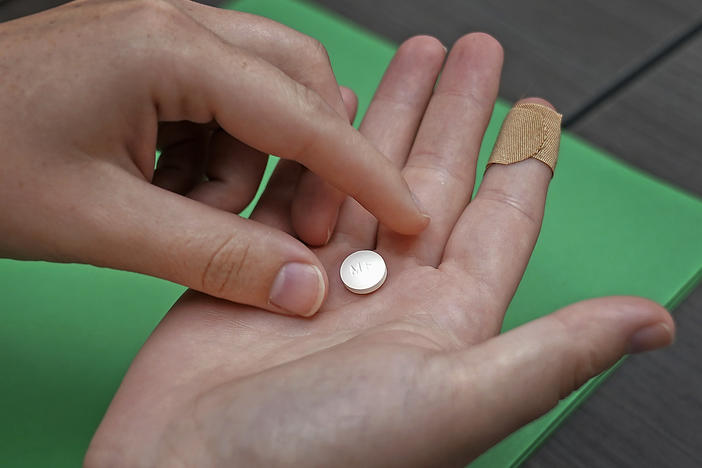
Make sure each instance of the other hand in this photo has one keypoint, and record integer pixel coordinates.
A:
(90, 89)
(414, 374)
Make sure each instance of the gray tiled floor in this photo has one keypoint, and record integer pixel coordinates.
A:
(657, 120)
(564, 51)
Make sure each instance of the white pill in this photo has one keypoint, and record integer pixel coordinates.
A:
(363, 272)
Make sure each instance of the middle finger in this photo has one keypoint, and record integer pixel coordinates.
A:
(440, 169)
(391, 123)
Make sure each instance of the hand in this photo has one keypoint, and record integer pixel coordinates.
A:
(84, 88)
(413, 374)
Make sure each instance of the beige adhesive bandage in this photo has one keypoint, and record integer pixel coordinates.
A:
(529, 131)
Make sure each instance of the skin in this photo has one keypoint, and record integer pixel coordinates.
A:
(413, 374)
(92, 88)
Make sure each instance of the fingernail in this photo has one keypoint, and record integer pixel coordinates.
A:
(298, 289)
(651, 337)
(419, 205)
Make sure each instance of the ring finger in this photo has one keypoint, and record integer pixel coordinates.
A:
(493, 240)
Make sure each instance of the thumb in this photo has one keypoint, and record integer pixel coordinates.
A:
(162, 234)
(516, 377)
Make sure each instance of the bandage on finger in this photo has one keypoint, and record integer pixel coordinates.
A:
(530, 130)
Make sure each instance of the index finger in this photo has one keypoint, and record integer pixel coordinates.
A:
(301, 126)
(304, 59)
(267, 110)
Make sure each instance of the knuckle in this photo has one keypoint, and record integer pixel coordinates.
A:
(313, 66)
(472, 98)
(580, 357)
(224, 267)
(157, 15)
(315, 111)
(310, 101)
(317, 52)
(315, 72)
(437, 167)
(238, 193)
(584, 365)
(514, 204)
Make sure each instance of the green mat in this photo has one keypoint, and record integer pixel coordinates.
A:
(68, 332)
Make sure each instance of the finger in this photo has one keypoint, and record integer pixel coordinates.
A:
(495, 236)
(350, 102)
(391, 123)
(273, 209)
(315, 205)
(162, 234)
(234, 172)
(300, 125)
(501, 384)
(183, 157)
(440, 169)
(275, 206)
(316, 202)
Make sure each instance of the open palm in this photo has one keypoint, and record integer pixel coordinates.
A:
(413, 374)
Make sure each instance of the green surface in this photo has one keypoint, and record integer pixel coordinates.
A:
(68, 332)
